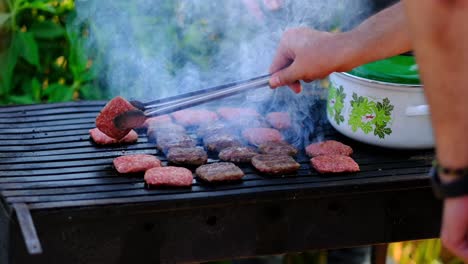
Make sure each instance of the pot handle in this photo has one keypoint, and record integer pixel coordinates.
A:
(417, 110)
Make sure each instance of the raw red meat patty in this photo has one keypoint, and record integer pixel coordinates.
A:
(136, 163)
(105, 119)
(218, 142)
(275, 164)
(329, 147)
(260, 135)
(221, 171)
(279, 120)
(103, 139)
(157, 120)
(194, 117)
(237, 154)
(277, 148)
(169, 176)
(233, 113)
(334, 164)
(187, 156)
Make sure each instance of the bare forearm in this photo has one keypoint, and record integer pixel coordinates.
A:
(440, 37)
(381, 36)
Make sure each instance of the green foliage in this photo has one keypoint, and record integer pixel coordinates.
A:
(43, 60)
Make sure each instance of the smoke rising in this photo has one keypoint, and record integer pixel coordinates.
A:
(149, 49)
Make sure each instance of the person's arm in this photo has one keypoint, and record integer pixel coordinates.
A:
(439, 31)
(314, 54)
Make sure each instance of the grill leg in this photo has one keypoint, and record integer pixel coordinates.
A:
(379, 254)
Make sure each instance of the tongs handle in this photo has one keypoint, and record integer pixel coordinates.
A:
(187, 100)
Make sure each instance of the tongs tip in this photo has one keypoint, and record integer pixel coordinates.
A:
(130, 119)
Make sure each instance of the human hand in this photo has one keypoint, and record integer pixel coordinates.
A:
(454, 232)
(307, 54)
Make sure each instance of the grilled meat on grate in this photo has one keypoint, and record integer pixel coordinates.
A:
(237, 154)
(187, 156)
(221, 171)
(275, 164)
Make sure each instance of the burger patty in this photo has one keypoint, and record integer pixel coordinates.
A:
(277, 148)
(206, 130)
(166, 141)
(187, 156)
(243, 122)
(334, 164)
(163, 128)
(169, 176)
(237, 154)
(103, 139)
(194, 117)
(136, 163)
(157, 121)
(329, 147)
(259, 135)
(279, 120)
(275, 164)
(233, 113)
(221, 171)
(218, 142)
(105, 119)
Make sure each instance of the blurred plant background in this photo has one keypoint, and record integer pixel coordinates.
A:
(43, 59)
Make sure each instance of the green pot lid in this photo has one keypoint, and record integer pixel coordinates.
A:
(399, 69)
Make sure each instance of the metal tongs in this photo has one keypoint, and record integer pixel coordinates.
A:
(186, 100)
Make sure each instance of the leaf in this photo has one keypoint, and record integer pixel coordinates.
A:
(59, 93)
(40, 5)
(47, 30)
(36, 89)
(4, 18)
(22, 99)
(27, 47)
(8, 61)
(90, 92)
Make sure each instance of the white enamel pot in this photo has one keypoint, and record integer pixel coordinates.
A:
(379, 113)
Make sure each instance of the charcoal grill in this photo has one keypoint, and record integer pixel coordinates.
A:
(59, 191)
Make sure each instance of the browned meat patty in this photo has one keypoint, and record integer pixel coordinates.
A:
(136, 163)
(218, 142)
(259, 135)
(169, 176)
(194, 117)
(275, 164)
(187, 156)
(167, 141)
(105, 119)
(279, 120)
(245, 122)
(103, 139)
(154, 132)
(221, 171)
(329, 147)
(212, 128)
(334, 164)
(278, 148)
(237, 154)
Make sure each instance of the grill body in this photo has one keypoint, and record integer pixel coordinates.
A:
(85, 213)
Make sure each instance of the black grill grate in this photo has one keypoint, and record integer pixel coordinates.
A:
(48, 161)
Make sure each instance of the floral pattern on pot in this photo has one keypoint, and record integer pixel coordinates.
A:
(369, 115)
(335, 103)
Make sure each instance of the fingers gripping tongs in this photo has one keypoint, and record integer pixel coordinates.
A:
(186, 100)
